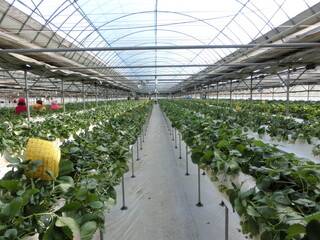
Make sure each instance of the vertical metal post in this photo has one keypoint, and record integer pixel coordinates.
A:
(175, 138)
(199, 204)
(217, 96)
(251, 93)
(226, 223)
(101, 235)
(226, 220)
(138, 150)
(123, 195)
(172, 133)
(132, 163)
(63, 98)
(143, 132)
(180, 145)
(27, 94)
(230, 93)
(288, 94)
(187, 167)
(96, 93)
(140, 142)
(83, 96)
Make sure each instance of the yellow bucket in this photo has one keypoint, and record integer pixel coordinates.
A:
(47, 152)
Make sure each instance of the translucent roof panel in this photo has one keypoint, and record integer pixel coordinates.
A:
(137, 23)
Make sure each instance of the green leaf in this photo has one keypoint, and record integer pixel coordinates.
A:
(240, 148)
(102, 149)
(11, 185)
(296, 229)
(15, 206)
(266, 211)
(264, 183)
(92, 197)
(27, 194)
(222, 144)
(239, 207)
(259, 143)
(313, 230)
(252, 212)
(71, 224)
(11, 234)
(96, 204)
(266, 235)
(13, 160)
(305, 202)
(87, 230)
(207, 157)
(70, 207)
(66, 180)
(233, 165)
(247, 194)
(111, 202)
(34, 209)
(82, 194)
(74, 149)
(253, 226)
(64, 187)
(53, 233)
(196, 156)
(315, 216)
(65, 168)
(280, 198)
(90, 217)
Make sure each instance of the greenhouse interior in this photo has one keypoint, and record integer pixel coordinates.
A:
(163, 120)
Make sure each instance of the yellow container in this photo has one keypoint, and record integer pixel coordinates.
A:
(47, 152)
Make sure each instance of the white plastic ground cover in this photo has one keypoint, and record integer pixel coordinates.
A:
(299, 148)
(162, 200)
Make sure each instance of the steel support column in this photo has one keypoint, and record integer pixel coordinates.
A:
(27, 93)
(288, 93)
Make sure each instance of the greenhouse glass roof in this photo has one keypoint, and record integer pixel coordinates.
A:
(146, 46)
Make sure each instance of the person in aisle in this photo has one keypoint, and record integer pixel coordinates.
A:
(54, 105)
(21, 107)
(39, 106)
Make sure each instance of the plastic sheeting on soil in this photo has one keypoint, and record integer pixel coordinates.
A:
(161, 199)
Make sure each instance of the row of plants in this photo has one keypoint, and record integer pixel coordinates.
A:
(8, 113)
(277, 126)
(284, 204)
(307, 110)
(14, 133)
(72, 205)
